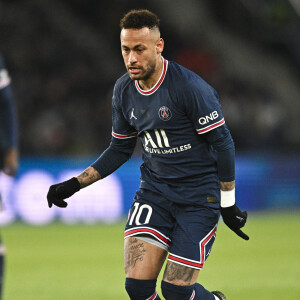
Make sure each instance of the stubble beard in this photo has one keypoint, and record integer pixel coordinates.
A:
(146, 73)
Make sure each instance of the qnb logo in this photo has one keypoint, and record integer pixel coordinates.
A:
(212, 116)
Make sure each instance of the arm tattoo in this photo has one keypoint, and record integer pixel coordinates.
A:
(175, 272)
(134, 252)
(88, 176)
(227, 186)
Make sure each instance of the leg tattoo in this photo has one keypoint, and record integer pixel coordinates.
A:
(134, 253)
(180, 275)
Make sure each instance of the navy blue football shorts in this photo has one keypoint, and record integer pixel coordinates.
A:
(186, 232)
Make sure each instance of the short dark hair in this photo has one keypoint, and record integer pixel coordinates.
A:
(139, 18)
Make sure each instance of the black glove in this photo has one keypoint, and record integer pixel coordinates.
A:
(63, 190)
(235, 219)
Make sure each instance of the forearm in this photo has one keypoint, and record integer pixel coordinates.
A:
(222, 142)
(88, 176)
(114, 156)
(220, 139)
(110, 160)
(227, 186)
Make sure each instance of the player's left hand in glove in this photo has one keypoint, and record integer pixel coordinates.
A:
(235, 220)
(60, 191)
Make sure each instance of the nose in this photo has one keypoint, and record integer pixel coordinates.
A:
(132, 58)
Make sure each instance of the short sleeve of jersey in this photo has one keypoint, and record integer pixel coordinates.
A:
(4, 77)
(121, 129)
(202, 106)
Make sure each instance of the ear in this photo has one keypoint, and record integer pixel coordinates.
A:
(160, 46)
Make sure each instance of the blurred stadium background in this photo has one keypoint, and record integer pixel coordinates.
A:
(64, 57)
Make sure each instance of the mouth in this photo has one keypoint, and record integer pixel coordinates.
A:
(134, 70)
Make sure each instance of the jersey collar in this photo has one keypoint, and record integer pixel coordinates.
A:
(157, 84)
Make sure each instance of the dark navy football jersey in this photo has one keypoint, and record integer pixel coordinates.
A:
(8, 130)
(171, 119)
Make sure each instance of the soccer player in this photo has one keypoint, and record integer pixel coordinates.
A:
(188, 170)
(8, 141)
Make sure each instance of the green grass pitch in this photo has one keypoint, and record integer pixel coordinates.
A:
(61, 262)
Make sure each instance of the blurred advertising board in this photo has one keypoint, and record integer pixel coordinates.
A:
(261, 183)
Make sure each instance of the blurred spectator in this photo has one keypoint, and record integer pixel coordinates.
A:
(67, 59)
(9, 161)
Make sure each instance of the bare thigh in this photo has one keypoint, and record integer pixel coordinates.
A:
(180, 275)
(142, 260)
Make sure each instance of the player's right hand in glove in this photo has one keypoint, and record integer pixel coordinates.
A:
(60, 191)
(235, 219)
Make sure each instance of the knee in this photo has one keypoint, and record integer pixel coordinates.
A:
(140, 289)
(176, 292)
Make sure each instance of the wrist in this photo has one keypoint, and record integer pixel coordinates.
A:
(74, 183)
(227, 198)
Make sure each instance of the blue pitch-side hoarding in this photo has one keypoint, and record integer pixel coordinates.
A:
(261, 183)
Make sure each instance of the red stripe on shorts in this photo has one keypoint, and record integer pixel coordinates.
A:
(147, 230)
(184, 261)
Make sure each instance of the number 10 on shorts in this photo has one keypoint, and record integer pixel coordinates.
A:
(137, 212)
